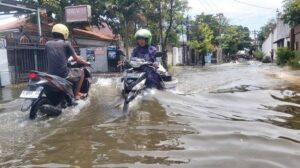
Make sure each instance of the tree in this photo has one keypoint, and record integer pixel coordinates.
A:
(124, 17)
(123, 14)
(202, 39)
(235, 38)
(291, 12)
(214, 23)
(169, 13)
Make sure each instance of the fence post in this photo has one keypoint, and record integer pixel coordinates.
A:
(35, 60)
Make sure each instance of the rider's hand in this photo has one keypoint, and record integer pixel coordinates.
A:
(156, 65)
(120, 63)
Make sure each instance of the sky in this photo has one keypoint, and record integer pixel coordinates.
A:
(254, 14)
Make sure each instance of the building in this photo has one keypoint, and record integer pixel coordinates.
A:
(23, 48)
(278, 38)
(297, 37)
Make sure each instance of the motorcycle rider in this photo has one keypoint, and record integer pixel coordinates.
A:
(58, 51)
(145, 51)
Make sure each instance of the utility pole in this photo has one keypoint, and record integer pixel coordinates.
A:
(160, 26)
(183, 43)
(187, 39)
(220, 54)
(255, 32)
(39, 19)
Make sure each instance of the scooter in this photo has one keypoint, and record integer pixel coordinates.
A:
(133, 81)
(47, 95)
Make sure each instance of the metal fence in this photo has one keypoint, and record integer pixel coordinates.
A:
(24, 58)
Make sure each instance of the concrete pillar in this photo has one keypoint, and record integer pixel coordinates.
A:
(4, 70)
(175, 56)
(180, 56)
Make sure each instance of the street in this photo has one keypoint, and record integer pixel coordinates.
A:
(229, 115)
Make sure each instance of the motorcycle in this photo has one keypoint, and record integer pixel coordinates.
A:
(133, 81)
(47, 95)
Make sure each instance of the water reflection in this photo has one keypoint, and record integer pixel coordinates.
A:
(10, 93)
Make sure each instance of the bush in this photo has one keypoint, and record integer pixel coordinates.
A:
(284, 55)
(259, 55)
(295, 62)
(267, 59)
(179, 64)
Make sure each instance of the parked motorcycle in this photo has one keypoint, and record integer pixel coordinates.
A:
(133, 81)
(47, 95)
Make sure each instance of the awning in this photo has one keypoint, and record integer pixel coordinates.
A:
(277, 41)
(9, 7)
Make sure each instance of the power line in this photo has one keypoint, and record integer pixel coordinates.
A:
(216, 6)
(254, 5)
(212, 8)
(205, 7)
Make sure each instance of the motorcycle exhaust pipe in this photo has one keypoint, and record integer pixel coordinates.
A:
(50, 111)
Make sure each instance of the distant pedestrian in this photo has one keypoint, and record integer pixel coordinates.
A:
(272, 55)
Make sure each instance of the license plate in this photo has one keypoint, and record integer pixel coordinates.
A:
(133, 75)
(30, 94)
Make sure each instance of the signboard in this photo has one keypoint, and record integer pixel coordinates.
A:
(81, 13)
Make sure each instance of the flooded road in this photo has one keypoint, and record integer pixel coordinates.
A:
(230, 115)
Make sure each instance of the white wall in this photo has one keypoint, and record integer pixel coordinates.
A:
(282, 30)
(4, 72)
(267, 45)
(176, 56)
(100, 64)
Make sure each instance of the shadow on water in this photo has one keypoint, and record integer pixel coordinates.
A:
(292, 121)
(242, 88)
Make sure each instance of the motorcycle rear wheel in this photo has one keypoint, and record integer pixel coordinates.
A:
(35, 109)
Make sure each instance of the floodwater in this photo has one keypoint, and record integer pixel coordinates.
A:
(231, 115)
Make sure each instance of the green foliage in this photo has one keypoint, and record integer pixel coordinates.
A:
(259, 55)
(213, 22)
(231, 37)
(202, 40)
(125, 17)
(56, 9)
(235, 38)
(291, 12)
(295, 62)
(284, 55)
